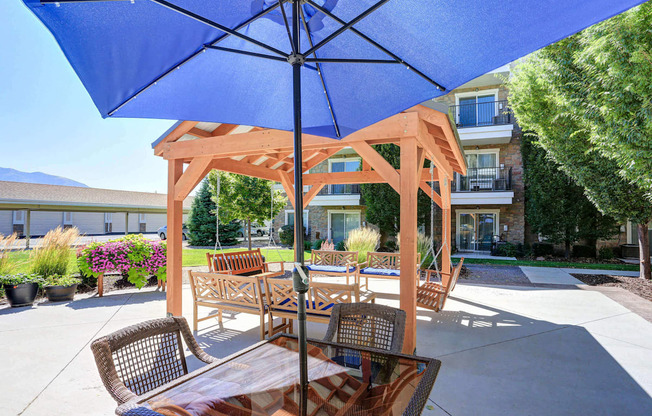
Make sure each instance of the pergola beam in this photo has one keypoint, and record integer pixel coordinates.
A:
(288, 185)
(379, 163)
(311, 194)
(363, 176)
(191, 176)
(183, 128)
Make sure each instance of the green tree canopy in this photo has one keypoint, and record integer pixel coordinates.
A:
(384, 203)
(246, 198)
(202, 221)
(553, 93)
(557, 208)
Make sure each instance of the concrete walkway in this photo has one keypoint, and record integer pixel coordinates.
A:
(562, 276)
(505, 351)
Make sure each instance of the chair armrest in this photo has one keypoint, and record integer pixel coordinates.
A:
(362, 265)
(192, 342)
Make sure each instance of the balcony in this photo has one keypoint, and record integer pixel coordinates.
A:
(348, 189)
(489, 122)
(483, 186)
(334, 195)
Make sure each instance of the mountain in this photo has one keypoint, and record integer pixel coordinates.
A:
(13, 175)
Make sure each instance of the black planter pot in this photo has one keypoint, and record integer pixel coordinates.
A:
(60, 293)
(22, 294)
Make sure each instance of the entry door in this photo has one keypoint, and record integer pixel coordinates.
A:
(108, 222)
(476, 231)
(342, 223)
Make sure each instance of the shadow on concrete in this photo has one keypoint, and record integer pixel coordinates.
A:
(516, 364)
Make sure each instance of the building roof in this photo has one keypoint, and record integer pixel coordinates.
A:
(38, 197)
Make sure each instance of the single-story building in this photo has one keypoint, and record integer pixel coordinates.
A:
(30, 209)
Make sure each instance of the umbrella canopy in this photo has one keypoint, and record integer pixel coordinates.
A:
(156, 59)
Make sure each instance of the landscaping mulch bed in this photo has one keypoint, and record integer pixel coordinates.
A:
(635, 285)
(493, 275)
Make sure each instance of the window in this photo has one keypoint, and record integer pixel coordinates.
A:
(343, 165)
(67, 218)
(289, 218)
(476, 108)
(341, 223)
(483, 170)
(108, 218)
(19, 217)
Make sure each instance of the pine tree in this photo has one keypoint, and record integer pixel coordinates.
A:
(201, 221)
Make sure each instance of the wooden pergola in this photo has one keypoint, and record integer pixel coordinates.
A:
(420, 132)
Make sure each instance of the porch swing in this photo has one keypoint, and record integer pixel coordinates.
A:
(433, 294)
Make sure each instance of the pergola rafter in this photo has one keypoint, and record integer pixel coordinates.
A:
(421, 133)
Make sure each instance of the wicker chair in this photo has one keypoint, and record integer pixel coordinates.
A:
(141, 357)
(368, 325)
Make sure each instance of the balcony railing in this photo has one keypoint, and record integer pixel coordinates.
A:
(347, 189)
(484, 180)
(490, 113)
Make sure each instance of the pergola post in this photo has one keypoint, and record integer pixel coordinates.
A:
(409, 186)
(174, 238)
(445, 189)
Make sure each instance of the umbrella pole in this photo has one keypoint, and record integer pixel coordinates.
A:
(300, 283)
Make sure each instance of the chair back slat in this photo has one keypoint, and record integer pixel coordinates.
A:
(226, 288)
(379, 260)
(236, 262)
(333, 258)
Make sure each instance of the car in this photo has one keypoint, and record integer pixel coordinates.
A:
(256, 229)
(163, 231)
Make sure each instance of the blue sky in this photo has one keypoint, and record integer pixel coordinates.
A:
(48, 122)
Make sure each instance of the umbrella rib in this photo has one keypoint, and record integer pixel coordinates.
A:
(346, 26)
(353, 61)
(321, 76)
(218, 26)
(377, 45)
(248, 53)
(287, 25)
(186, 60)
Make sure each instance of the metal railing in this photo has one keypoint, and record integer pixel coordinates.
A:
(347, 189)
(490, 113)
(484, 180)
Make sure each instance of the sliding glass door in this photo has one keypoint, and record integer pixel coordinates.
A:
(476, 230)
(342, 223)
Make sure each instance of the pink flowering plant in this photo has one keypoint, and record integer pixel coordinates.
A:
(131, 255)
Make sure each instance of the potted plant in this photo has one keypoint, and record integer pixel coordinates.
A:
(20, 288)
(60, 288)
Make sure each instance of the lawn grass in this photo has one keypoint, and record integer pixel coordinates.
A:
(561, 264)
(191, 257)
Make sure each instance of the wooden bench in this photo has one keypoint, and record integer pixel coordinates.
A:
(431, 295)
(320, 299)
(382, 265)
(333, 263)
(227, 292)
(242, 263)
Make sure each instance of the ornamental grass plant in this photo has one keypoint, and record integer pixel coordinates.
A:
(52, 256)
(6, 245)
(363, 240)
(423, 246)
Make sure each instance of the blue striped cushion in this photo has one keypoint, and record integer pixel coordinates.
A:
(331, 269)
(380, 272)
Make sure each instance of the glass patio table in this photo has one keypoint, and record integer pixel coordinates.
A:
(264, 380)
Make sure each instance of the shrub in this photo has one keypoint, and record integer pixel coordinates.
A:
(132, 255)
(57, 280)
(506, 249)
(6, 244)
(341, 246)
(391, 246)
(316, 245)
(362, 240)
(543, 249)
(307, 245)
(52, 256)
(583, 251)
(286, 235)
(606, 253)
(20, 278)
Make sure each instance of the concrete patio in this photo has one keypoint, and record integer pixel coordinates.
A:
(506, 350)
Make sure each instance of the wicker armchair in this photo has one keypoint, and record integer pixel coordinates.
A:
(141, 357)
(368, 325)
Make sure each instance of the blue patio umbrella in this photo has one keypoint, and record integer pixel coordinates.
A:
(325, 67)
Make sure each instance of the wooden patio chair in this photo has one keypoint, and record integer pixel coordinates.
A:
(431, 295)
(226, 292)
(242, 263)
(141, 357)
(383, 266)
(333, 263)
(367, 325)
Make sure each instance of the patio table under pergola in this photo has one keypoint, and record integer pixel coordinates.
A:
(420, 132)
